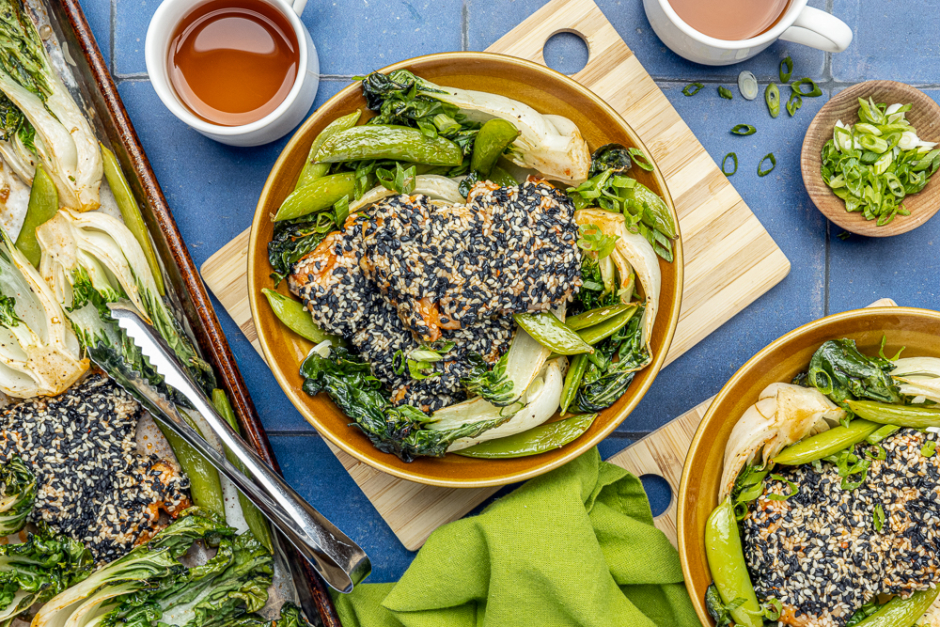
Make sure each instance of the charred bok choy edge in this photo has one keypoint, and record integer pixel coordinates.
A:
(91, 259)
(151, 582)
(847, 399)
(41, 121)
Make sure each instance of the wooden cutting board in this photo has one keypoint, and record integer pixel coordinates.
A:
(730, 259)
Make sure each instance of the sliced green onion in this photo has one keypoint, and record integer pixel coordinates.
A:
(692, 88)
(844, 235)
(640, 159)
(772, 609)
(880, 454)
(725, 93)
(747, 85)
(783, 497)
(794, 103)
(772, 98)
(786, 70)
(814, 91)
(773, 164)
(744, 129)
(878, 517)
(929, 448)
(734, 158)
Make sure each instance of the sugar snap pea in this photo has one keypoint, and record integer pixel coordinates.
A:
(313, 170)
(204, 484)
(573, 381)
(552, 333)
(491, 140)
(826, 443)
(296, 318)
(319, 195)
(130, 212)
(729, 570)
(598, 332)
(379, 141)
(257, 523)
(541, 439)
(900, 612)
(43, 204)
(501, 177)
(595, 316)
(910, 416)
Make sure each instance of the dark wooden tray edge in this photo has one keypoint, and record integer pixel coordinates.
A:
(182, 272)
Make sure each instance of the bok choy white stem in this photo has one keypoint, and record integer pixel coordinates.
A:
(41, 120)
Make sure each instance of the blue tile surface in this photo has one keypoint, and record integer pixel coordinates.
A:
(488, 22)
(351, 36)
(98, 15)
(894, 40)
(213, 190)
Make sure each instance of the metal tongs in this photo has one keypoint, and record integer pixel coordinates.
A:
(339, 560)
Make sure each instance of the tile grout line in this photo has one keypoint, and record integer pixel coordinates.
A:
(113, 28)
(465, 25)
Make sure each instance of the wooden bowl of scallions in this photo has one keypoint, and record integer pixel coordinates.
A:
(868, 165)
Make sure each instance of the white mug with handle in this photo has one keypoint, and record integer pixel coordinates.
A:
(273, 126)
(800, 24)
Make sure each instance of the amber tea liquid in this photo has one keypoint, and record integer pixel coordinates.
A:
(731, 20)
(232, 62)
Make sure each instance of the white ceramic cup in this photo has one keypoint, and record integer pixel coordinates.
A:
(269, 128)
(800, 24)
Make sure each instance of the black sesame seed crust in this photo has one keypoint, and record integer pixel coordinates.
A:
(507, 250)
(819, 553)
(92, 483)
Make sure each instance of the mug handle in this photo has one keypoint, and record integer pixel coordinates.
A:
(816, 29)
(297, 5)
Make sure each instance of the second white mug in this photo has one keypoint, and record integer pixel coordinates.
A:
(800, 24)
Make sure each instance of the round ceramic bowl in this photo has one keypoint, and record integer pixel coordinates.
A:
(917, 330)
(541, 88)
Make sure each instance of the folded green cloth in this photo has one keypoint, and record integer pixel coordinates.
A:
(576, 546)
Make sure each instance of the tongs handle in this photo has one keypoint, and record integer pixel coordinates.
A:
(339, 560)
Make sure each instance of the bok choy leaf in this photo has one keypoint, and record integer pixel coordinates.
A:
(92, 259)
(151, 583)
(550, 144)
(39, 353)
(50, 127)
(403, 431)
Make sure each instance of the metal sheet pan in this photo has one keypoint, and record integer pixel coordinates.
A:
(103, 103)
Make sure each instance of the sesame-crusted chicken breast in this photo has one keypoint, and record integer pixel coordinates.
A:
(412, 271)
(342, 301)
(825, 551)
(92, 483)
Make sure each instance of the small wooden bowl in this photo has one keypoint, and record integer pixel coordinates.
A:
(915, 329)
(924, 116)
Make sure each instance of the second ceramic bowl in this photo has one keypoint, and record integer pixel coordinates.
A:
(915, 329)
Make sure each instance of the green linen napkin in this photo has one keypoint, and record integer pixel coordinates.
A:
(576, 546)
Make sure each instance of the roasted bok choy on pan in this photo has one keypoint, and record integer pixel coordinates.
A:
(829, 498)
(467, 270)
(104, 520)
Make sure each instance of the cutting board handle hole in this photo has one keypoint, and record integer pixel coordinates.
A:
(659, 492)
(566, 51)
